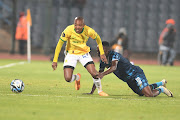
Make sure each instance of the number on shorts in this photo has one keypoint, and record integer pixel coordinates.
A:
(85, 55)
(138, 80)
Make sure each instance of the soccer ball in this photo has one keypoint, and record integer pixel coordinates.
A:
(17, 86)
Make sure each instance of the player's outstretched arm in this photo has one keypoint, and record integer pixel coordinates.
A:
(92, 90)
(101, 50)
(109, 70)
(56, 54)
(95, 36)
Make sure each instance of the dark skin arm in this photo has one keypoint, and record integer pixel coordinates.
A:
(109, 70)
(93, 89)
(102, 73)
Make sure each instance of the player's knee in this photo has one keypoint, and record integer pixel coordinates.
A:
(68, 79)
(149, 95)
(94, 75)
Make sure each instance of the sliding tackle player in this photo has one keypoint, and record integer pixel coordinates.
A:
(131, 74)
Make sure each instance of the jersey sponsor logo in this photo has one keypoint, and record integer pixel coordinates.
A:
(73, 37)
(63, 34)
(76, 42)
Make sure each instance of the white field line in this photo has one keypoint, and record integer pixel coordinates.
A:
(107, 98)
(12, 64)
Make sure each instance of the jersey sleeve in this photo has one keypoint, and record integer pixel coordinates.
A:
(66, 34)
(92, 33)
(116, 56)
(63, 38)
(95, 36)
(57, 50)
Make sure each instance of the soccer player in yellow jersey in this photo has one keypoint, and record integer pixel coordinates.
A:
(76, 36)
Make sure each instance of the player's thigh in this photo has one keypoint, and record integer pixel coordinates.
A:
(132, 84)
(87, 61)
(70, 60)
(143, 85)
(138, 83)
(141, 81)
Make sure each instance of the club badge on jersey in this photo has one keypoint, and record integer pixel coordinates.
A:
(63, 35)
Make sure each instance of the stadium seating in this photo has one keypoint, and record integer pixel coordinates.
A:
(144, 19)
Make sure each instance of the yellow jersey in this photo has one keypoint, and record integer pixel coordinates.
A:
(76, 42)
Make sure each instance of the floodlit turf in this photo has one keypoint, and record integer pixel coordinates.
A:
(48, 97)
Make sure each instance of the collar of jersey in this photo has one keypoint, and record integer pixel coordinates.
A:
(79, 33)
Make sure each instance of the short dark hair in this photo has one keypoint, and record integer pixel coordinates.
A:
(79, 18)
(105, 43)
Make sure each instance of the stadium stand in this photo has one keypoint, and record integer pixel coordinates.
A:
(144, 19)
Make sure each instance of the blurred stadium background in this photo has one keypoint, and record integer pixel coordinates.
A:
(144, 20)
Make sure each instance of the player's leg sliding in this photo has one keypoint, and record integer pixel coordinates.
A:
(162, 88)
(156, 85)
(97, 82)
(165, 91)
(164, 82)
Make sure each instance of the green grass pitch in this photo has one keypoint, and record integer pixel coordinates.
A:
(48, 97)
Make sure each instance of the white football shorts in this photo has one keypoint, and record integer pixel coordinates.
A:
(70, 60)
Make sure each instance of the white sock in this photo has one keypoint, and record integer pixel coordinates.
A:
(74, 77)
(97, 82)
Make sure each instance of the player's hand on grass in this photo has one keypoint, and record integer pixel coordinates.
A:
(54, 65)
(87, 93)
(103, 58)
